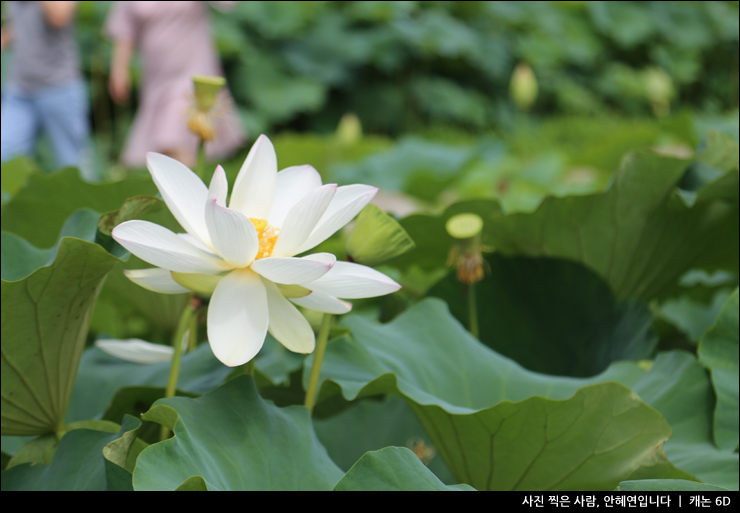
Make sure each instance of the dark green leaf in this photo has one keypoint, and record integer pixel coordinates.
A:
(235, 440)
(552, 316)
(393, 469)
(718, 350)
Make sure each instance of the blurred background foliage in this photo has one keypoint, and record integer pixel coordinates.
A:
(443, 69)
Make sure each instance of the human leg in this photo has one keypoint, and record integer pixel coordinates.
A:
(19, 125)
(62, 111)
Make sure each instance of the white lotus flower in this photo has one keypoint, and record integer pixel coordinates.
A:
(244, 253)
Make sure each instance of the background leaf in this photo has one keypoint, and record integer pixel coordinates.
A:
(718, 350)
(78, 464)
(551, 316)
(639, 235)
(393, 469)
(236, 441)
(38, 210)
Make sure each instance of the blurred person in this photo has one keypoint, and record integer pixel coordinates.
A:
(175, 42)
(45, 91)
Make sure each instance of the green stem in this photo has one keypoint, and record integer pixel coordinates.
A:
(248, 367)
(193, 338)
(318, 358)
(182, 327)
(472, 311)
(201, 165)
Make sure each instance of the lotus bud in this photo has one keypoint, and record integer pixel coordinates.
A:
(349, 131)
(659, 90)
(523, 87)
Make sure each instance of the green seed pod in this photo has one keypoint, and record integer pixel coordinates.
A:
(464, 226)
(206, 91)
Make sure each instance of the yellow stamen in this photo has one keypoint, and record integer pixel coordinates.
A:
(267, 235)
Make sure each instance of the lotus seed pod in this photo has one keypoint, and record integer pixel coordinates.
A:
(464, 226)
(206, 91)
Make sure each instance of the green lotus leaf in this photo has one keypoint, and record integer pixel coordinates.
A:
(482, 411)
(393, 469)
(235, 440)
(640, 235)
(42, 449)
(718, 350)
(370, 425)
(45, 317)
(78, 464)
(680, 388)
(132, 208)
(39, 209)
(15, 174)
(552, 316)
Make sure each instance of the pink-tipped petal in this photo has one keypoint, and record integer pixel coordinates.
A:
(219, 186)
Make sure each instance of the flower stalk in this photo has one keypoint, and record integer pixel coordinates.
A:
(183, 326)
(318, 358)
(467, 256)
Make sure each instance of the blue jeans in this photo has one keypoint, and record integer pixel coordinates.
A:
(60, 111)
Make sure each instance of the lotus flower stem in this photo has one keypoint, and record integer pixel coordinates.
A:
(248, 367)
(193, 335)
(472, 311)
(182, 327)
(318, 358)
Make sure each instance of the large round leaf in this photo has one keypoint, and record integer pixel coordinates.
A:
(463, 393)
(235, 440)
(552, 316)
(45, 317)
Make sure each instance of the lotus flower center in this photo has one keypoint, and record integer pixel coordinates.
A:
(267, 235)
